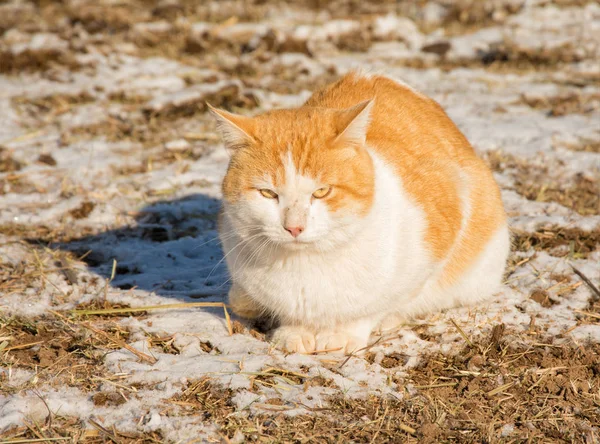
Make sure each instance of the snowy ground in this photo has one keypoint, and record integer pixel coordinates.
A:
(110, 171)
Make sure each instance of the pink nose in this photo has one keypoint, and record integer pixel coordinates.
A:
(294, 231)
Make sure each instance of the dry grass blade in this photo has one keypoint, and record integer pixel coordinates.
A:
(441, 384)
(157, 307)
(589, 283)
(500, 389)
(19, 441)
(22, 346)
(105, 431)
(587, 313)
(407, 429)
(462, 333)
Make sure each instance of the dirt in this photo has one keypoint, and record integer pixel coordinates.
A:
(83, 210)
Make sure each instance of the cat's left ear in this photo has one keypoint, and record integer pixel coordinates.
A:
(353, 123)
(236, 130)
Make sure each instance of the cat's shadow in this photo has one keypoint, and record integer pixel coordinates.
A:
(171, 250)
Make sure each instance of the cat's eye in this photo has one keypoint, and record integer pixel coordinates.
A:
(268, 193)
(322, 192)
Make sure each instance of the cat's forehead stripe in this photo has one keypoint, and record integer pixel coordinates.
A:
(294, 178)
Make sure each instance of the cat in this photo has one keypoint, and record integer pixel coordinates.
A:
(354, 212)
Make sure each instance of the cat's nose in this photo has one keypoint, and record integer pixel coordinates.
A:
(294, 231)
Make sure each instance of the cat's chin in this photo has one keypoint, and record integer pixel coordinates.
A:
(297, 245)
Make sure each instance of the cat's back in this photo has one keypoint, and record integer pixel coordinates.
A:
(437, 166)
(403, 121)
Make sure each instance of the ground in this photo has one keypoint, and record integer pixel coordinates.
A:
(110, 171)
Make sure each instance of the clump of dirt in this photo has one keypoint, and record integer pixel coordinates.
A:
(47, 159)
(103, 399)
(464, 16)
(83, 210)
(42, 234)
(508, 56)
(393, 360)
(206, 400)
(31, 61)
(558, 241)
(542, 297)
(8, 163)
(509, 53)
(105, 18)
(319, 381)
(208, 347)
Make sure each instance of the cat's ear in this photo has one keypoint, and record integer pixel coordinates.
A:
(353, 123)
(236, 130)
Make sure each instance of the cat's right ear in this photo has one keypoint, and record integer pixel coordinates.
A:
(235, 130)
(353, 123)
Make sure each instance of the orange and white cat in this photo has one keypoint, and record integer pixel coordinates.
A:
(362, 208)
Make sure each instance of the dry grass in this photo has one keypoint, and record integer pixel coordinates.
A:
(541, 392)
(46, 107)
(580, 193)
(466, 16)
(582, 145)
(492, 386)
(565, 103)
(31, 61)
(545, 183)
(60, 352)
(559, 241)
(65, 430)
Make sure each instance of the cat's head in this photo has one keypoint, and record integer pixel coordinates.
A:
(299, 177)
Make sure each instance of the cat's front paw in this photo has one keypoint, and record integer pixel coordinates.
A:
(294, 339)
(340, 342)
